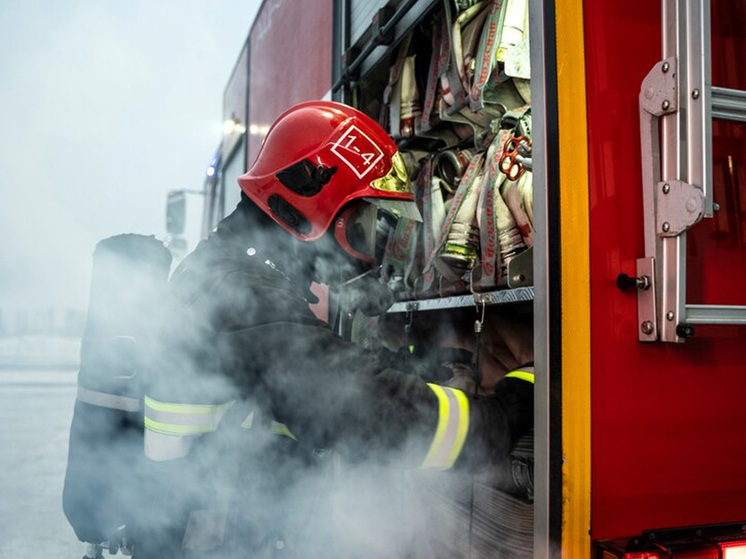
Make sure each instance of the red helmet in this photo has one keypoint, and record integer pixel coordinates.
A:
(319, 156)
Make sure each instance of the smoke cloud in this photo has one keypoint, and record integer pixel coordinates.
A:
(105, 107)
(330, 486)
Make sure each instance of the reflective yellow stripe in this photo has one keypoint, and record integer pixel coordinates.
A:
(248, 422)
(183, 419)
(276, 427)
(453, 424)
(523, 375)
(282, 429)
(176, 429)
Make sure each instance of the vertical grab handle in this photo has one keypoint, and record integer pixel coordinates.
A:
(658, 98)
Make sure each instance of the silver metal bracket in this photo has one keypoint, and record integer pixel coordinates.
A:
(659, 90)
(678, 206)
(647, 321)
(520, 272)
(658, 98)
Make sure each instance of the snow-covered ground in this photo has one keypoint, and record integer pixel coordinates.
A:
(36, 408)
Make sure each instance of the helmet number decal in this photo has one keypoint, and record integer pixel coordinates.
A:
(357, 151)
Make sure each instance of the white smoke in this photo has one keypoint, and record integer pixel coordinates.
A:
(266, 493)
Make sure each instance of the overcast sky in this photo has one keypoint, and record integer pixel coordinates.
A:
(105, 105)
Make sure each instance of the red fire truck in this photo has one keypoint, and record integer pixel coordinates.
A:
(636, 147)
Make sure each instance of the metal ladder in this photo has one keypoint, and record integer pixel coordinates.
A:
(677, 106)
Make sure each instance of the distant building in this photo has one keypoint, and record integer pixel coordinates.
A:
(50, 321)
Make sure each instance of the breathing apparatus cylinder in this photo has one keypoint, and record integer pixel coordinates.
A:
(105, 456)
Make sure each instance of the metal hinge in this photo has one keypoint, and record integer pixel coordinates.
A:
(678, 206)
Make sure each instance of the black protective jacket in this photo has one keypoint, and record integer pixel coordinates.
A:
(240, 330)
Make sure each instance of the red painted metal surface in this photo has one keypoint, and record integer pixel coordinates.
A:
(728, 43)
(717, 246)
(278, 76)
(668, 420)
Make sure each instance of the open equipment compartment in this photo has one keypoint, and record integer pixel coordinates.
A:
(451, 83)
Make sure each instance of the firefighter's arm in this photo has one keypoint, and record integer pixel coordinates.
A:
(331, 393)
(469, 432)
(506, 344)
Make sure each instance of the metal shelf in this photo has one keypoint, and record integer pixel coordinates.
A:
(500, 297)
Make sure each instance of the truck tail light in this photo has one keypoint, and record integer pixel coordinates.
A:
(722, 541)
(733, 550)
(697, 553)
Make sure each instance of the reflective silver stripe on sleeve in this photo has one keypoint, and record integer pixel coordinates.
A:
(106, 400)
(453, 424)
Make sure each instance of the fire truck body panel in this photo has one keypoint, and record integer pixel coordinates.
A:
(290, 45)
(667, 420)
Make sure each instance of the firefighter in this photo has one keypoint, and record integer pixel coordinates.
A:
(248, 368)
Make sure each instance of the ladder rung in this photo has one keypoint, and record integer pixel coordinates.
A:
(728, 104)
(715, 314)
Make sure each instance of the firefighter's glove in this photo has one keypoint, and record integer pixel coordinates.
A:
(496, 422)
